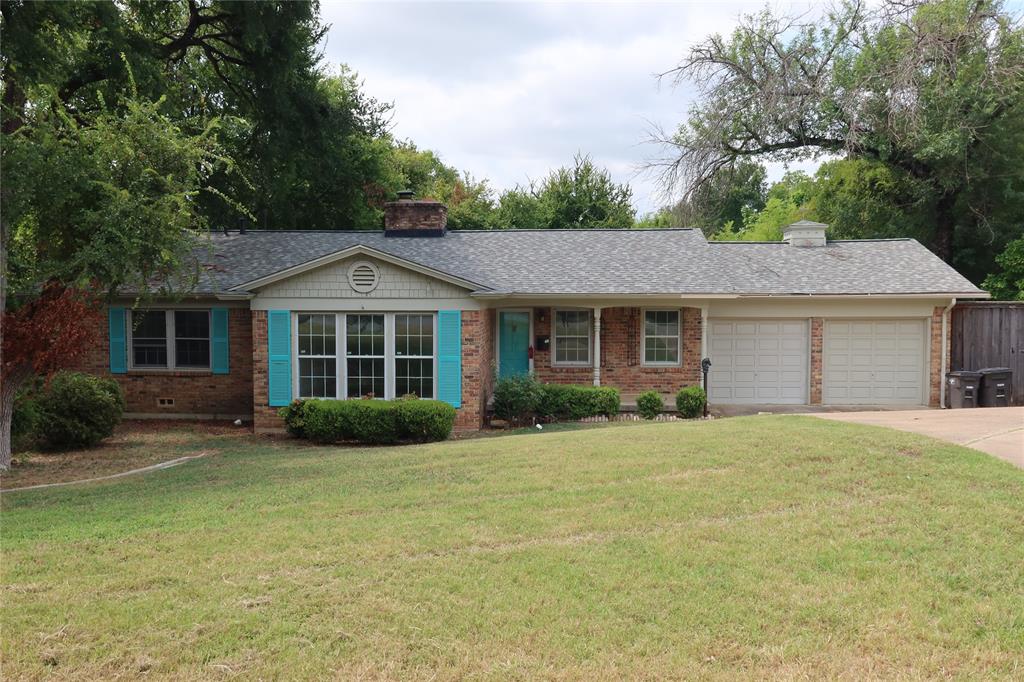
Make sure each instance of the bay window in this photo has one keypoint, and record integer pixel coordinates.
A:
(661, 337)
(572, 337)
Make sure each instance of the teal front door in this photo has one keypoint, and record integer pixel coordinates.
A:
(513, 344)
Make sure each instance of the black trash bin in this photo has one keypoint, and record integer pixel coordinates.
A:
(963, 388)
(996, 383)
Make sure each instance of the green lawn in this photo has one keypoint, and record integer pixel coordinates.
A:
(779, 547)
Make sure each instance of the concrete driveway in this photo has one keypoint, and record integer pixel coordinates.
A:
(999, 431)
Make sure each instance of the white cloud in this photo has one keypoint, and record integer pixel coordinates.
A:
(510, 91)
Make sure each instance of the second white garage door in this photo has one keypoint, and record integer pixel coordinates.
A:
(758, 361)
(874, 362)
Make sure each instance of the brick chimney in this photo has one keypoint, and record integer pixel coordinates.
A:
(412, 217)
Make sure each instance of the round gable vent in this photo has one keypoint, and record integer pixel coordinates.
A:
(363, 277)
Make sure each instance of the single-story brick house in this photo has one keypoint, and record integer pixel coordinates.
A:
(414, 308)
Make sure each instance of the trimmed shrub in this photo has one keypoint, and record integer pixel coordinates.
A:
(516, 399)
(377, 422)
(649, 404)
(425, 420)
(78, 410)
(566, 401)
(294, 416)
(690, 401)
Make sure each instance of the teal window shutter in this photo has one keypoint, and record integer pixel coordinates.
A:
(449, 357)
(118, 343)
(279, 352)
(219, 340)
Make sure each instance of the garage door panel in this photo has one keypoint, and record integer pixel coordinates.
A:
(773, 355)
(874, 362)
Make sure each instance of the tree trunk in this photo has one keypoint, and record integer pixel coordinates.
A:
(945, 223)
(11, 384)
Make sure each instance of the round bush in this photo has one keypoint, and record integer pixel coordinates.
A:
(25, 420)
(690, 401)
(294, 416)
(516, 399)
(649, 404)
(566, 401)
(78, 410)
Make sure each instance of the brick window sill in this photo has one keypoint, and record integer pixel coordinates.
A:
(661, 369)
(169, 373)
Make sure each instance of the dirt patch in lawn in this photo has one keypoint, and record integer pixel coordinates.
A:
(135, 444)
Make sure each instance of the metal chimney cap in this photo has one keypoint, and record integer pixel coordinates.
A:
(406, 195)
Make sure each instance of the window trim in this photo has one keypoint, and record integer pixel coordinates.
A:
(341, 342)
(298, 371)
(643, 338)
(169, 333)
(555, 362)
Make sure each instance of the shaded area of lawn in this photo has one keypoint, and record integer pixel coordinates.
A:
(761, 546)
(134, 445)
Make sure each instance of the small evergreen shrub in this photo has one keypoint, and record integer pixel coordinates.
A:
(690, 401)
(516, 399)
(566, 401)
(78, 410)
(425, 420)
(294, 416)
(649, 404)
(377, 422)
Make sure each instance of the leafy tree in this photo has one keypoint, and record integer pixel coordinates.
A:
(313, 147)
(470, 202)
(1008, 283)
(789, 200)
(725, 196)
(92, 202)
(581, 196)
(929, 90)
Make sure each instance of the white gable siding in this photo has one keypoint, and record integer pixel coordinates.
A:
(328, 287)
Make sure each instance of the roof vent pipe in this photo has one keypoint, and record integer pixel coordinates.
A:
(805, 233)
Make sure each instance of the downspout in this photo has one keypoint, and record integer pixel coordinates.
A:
(944, 360)
(704, 331)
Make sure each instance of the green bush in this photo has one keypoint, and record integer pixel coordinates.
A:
(690, 401)
(425, 420)
(517, 398)
(649, 404)
(294, 416)
(377, 421)
(78, 410)
(25, 420)
(565, 401)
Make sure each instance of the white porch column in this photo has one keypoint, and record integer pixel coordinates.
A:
(597, 346)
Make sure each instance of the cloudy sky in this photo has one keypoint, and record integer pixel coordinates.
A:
(511, 90)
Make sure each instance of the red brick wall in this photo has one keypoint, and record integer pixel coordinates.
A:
(194, 393)
(621, 360)
(817, 343)
(265, 418)
(477, 371)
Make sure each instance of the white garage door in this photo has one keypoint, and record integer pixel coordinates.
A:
(874, 362)
(758, 361)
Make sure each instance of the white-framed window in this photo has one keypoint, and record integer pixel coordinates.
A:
(661, 339)
(365, 355)
(414, 355)
(170, 339)
(318, 355)
(572, 338)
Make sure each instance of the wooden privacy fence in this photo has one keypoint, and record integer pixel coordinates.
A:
(990, 334)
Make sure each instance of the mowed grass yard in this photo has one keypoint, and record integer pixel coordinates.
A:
(759, 547)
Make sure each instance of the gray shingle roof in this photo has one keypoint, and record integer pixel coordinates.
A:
(665, 261)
